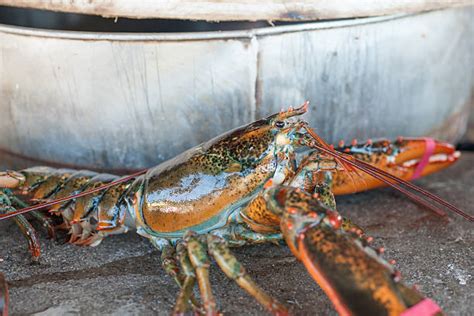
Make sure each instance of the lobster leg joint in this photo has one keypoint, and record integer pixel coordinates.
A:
(188, 281)
(235, 271)
(200, 261)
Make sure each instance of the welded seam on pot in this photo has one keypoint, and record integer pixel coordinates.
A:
(198, 36)
(258, 84)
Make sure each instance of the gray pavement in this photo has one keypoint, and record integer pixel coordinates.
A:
(123, 275)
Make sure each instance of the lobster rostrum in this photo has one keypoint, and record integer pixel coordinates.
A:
(211, 197)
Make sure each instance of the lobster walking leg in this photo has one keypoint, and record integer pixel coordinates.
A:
(26, 228)
(239, 234)
(44, 220)
(235, 271)
(30, 234)
(169, 262)
(200, 261)
(250, 237)
(185, 295)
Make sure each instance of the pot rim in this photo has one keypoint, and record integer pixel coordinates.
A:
(196, 36)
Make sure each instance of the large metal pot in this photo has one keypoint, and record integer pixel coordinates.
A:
(131, 100)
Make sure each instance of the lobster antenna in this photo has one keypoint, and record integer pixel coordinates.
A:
(422, 191)
(394, 185)
(398, 187)
(71, 197)
(354, 143)
(382, 176)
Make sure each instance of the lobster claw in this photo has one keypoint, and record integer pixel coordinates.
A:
(356, 281)
(406, 158)
(351, 273)
(422, 156)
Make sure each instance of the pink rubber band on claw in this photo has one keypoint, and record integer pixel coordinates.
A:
(430, 145)
(426, 307)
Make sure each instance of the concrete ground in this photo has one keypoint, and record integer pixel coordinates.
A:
(123, 275)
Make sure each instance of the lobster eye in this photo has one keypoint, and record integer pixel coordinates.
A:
(280, 124)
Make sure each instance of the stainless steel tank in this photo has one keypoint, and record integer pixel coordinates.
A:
(129, 100)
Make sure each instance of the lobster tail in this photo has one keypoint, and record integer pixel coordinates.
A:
(92, 205)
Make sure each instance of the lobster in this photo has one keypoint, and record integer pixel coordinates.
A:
(246, 186)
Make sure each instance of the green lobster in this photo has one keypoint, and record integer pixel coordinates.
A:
(247, 186)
